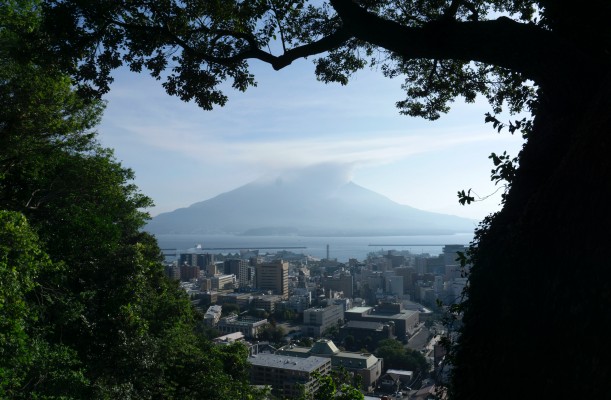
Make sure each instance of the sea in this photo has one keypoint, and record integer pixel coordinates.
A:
(339, 248)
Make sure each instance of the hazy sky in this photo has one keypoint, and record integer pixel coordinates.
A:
(182, 154)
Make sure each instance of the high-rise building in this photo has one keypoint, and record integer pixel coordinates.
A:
(242, 270)
(450, 253)
(344, 282)
(201, 260)
(438, 284)
(409, 277)
(394, 284)
(172, 271)
(188, 272)
(187, 258)
(273, 276)
(421, 263)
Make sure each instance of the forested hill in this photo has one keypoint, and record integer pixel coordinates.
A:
(85, 309)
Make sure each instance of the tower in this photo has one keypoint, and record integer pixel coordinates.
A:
(273, 276)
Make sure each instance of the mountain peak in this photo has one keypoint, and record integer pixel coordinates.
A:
(319, 201)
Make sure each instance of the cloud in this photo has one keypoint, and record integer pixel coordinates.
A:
(332, 173)
(278, 154)
(182, 154)
(285, 123)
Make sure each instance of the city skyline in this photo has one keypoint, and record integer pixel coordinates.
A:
(182, 154)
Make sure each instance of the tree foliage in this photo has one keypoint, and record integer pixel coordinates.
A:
(272, 333)
(396, 356)
(85, 309)
(551, 59)
(335, 385)
(24, 354)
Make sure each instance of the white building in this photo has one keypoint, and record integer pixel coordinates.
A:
(213, 315)
(317, 320)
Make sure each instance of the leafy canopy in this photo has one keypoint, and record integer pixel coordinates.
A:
(85, 309)
(396, 356)
(196, 46)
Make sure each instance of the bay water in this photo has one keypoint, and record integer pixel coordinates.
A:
(340, 248)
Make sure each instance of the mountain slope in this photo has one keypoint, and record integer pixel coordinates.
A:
(305, 207)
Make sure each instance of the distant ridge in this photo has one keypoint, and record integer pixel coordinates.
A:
(310, 204)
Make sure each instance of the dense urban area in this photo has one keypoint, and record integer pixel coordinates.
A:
(378, 320)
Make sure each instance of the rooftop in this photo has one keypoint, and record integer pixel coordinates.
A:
(359, 310)
(400, 372)
(244, 321)
(404, 314)
(327, 349)
(229, 338)
(324, 346)
(371, 325)
(359, 360)
(308, 364)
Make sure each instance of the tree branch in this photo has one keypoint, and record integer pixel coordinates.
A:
(524, 48)
(450, 13)
(322, 45)
(327, 43)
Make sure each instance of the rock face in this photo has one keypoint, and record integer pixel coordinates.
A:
(308, 205)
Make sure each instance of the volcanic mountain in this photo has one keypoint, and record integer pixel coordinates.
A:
(306, 205)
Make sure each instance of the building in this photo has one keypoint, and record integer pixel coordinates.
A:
(317, 320)
(342, 283)
(404, 321)
(188, 259)
(396, 260)
(211, 269)
(395, 379)
(438, 284)
(242, 300)
(244, 273)
(287, 376)
(421, 264)
(299, 303)
(188, 272)
(172, 272)
(394, 285)
(209, 296)
(273, 276)
(221, 282)
(213, 315)
(345, 303)
(205, 284)
(450, 253)
(200, 260)
(249, 326)
(365, 334)
(230, 338)
(428, 393)
(266, 302)
(409, 277)
(366, 365)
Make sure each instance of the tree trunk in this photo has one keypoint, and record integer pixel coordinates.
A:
(537, 321)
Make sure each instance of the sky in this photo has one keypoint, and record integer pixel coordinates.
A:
(182, 154)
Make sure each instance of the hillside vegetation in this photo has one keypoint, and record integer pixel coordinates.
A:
(85, 309)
